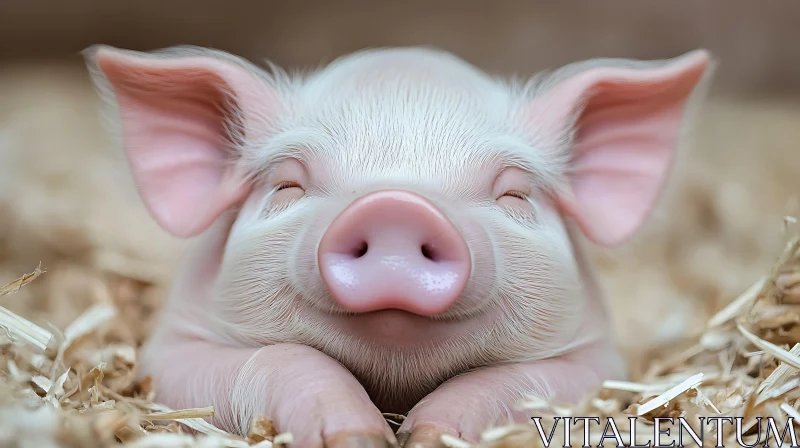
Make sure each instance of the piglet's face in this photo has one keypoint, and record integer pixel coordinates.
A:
(399, 199)
(391, 187)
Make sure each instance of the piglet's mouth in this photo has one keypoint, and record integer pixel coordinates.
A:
(394, 250)
(398, 328)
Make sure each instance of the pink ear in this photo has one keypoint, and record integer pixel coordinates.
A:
(174, 112)
(625, 141)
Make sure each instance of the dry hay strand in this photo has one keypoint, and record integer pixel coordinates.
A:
(77, 387)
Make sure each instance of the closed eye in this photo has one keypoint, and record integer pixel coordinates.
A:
(287, 184)
(515, 194)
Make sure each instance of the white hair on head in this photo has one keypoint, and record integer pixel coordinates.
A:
(394, 108)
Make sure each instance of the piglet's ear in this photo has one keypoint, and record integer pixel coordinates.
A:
(176, 112)
(627, 118)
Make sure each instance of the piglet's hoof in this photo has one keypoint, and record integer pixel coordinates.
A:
(423, 436)
(358, 440)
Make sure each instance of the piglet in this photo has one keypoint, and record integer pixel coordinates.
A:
(395, 232)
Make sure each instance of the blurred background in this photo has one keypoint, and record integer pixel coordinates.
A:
(66, 198)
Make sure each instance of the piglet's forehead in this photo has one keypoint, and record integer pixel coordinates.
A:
(393, 67)
(446, 148)
(407, 114)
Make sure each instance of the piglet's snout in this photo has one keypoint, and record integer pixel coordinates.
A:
(393, 249)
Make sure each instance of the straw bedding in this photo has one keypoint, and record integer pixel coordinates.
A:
(75, 386)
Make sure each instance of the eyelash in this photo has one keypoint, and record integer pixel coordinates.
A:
(287, 184)
(515, 194)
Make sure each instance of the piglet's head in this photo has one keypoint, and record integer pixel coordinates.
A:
(400, 179)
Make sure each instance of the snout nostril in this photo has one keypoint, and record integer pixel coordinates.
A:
(362, 250)
(428, 253)
(393, 250)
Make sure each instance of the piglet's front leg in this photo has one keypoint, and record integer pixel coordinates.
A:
(301, 389)
(468, 404)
